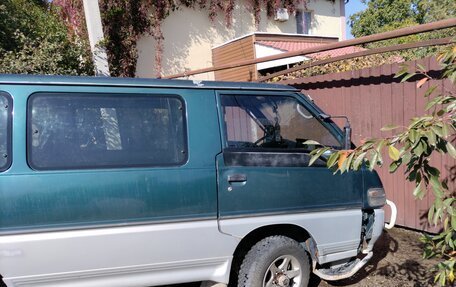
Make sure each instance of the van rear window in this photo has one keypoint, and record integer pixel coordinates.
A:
(5, 131)
(80, 131)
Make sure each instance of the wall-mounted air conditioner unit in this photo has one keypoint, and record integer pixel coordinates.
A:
(282, 15)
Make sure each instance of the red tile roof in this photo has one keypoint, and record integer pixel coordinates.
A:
(296, 46)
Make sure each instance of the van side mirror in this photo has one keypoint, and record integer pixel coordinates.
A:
(347, 128)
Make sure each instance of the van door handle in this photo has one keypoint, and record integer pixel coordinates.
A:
(237, 178)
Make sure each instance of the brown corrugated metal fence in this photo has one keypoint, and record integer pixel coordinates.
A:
(373, 98)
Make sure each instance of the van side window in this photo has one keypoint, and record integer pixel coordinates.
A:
(271, 122)
(5, 132)
(78, 131)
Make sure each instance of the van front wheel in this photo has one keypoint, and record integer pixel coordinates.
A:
(275, 261)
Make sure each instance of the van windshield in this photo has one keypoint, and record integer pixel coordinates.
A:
(3, 132)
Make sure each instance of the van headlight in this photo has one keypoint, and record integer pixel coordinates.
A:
(376, 197)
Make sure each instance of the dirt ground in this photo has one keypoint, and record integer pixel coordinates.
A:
(397, 261)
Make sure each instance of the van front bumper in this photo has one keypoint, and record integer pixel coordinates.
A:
(354, 266)
(377, 229)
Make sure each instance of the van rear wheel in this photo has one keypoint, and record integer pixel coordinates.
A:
(275, 261)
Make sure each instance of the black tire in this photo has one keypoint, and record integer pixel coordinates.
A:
(270, 255)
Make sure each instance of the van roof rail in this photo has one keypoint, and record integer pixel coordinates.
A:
(136, 82)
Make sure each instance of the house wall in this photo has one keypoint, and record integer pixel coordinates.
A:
(190, 35)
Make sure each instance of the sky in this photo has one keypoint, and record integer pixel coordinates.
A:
(351, 8)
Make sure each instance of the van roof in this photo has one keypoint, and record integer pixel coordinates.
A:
(136, 82)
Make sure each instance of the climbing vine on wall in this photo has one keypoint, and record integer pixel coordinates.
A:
(126, 21)
(72, 13)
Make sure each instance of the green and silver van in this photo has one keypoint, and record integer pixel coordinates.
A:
(135, 182)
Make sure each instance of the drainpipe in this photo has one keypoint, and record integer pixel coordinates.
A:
(343, 32)
(95, 31)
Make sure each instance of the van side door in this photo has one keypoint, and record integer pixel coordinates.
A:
(264, 168)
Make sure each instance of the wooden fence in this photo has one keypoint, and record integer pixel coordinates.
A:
(373, 98)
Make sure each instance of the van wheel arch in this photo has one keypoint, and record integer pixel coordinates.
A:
(289, 230)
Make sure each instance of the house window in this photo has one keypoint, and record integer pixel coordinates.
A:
(304, 22)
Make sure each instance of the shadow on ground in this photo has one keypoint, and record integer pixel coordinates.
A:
(397, 261)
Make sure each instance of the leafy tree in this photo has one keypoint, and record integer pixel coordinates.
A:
(383, 15)
(432, 10)
(33, 40)
(387, 15)
(413, 147)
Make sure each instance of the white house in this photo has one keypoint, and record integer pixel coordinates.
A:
(191, 38)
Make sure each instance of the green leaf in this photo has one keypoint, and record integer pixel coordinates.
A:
(394, 166)
(451, 243)
(402, 71)
(450, 209)
(348, 162)
(418, 176)
(430, 91)
(313, 159)
(359, 160)
(451, 150)
(311, 142)
(416, 121)
(438, 203)
(373, 161)
(437, 130)
(406, 157)
(380, 146)
(442, 278)
(440, 113)
(431, 137)
(431, 213)
(418, 192)
(419, 148)
(421, 68)
(436, 186)
(318, 154)
(437, 215)
(412, 135)
(448, 237)
(445, 130)
(408, 76)
(453, 222)
(451, 106)
(379, 159)
(432, 103)
(432, 170)
(332, 159)
(393, 153)
(389, 128)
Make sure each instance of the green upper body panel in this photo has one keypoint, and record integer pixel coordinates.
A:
(35, 199)
(39, 199)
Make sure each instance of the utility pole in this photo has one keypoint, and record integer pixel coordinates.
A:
(95, 31)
